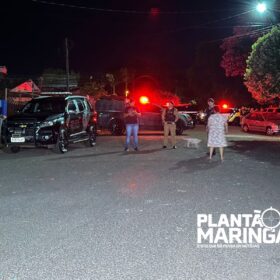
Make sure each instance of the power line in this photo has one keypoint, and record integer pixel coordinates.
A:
(205, 25)
(120, 11)
(253, 32)
(210, 22)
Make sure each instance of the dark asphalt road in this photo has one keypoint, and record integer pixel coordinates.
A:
(100, 213)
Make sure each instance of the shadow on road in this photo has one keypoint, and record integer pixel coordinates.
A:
(196, 164)
(84, 156)
(25, 153)
(142, 152)
(263, 151)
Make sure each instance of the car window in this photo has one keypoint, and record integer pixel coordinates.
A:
(44, 106)
(71, 106)
(87, 105)
(150, 108)
(252, 116)
(109, 105)
(273, 117)
(259, 117)
(80, 105)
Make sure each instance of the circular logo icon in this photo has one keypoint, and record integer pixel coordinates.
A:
(270, 218)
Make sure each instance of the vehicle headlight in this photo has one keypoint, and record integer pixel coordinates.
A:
(46, 124)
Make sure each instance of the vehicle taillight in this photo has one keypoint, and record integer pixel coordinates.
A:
(95, 117)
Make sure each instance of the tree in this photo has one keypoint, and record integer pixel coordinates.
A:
(262, 76)
(205, 78)
(236, 50)
(93, 87)
(112, 81)
(56, 78)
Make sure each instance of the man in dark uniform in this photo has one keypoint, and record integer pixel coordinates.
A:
(169, 119)
(210, 109)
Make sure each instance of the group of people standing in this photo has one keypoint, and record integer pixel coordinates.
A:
(131, 118)
(216, 126)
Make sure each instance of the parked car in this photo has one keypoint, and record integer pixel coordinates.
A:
(151, 119)
(56, 121)
(268, 123)
(190, 112)
(229, 112)
(110, 115)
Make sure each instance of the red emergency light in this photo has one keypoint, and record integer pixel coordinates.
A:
(144, 100)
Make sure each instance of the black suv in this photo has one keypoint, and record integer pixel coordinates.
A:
(55, 121)
(110, 113)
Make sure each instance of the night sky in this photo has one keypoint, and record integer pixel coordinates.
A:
(153, 35)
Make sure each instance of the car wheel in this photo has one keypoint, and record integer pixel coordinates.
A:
(269, 131)
(179, 128)
(91, 136)
(245, 128)
(61, 142)
(116, 127)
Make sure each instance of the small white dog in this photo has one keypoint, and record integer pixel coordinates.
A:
(191, 142)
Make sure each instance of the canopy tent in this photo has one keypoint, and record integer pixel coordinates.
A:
(28, 87)
(23, 93)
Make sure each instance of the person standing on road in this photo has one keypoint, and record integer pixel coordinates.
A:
(169, 118)
(217, 127)
(210, 111)
(131, 115)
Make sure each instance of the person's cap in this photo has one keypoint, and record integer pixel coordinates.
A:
(211, 100)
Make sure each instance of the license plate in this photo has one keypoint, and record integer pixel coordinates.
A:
(17, 139)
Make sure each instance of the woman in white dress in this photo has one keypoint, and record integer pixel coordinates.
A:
(217, 128)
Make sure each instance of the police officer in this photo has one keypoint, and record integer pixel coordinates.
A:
(210, 109)
(169, 118)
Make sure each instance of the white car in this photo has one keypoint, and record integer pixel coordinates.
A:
(268, 123)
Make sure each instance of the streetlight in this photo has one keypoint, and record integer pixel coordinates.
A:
(261, 7)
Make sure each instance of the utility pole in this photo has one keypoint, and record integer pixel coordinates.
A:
(67, 63)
